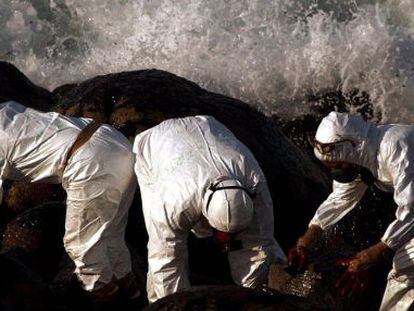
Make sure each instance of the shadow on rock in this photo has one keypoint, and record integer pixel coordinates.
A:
(20, 287)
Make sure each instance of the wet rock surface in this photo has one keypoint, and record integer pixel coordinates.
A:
(22, 195)
(223, 298)
(20, 287)
(14, 85)
(39, 272)
(38, 232)
(135, 101)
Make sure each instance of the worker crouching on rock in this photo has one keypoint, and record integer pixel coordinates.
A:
(360, 154)
(194, 175)
(94, 163)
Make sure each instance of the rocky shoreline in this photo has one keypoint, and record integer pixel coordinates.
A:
(32, 227)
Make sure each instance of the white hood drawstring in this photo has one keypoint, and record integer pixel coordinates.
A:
(228, 206)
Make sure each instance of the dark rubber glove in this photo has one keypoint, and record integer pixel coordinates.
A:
(352, 282)
(356, 278)
(298, 257)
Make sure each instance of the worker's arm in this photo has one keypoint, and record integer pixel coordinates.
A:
(250, 265)
(401, 166)
(341, 201)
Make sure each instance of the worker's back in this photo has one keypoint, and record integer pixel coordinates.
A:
(180, 157)
(33, 144)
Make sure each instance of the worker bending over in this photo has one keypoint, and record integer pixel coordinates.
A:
(359, 154)
(94, 163)
(195, 175)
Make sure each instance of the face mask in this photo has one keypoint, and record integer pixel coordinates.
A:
(344, 177)
(227, 242)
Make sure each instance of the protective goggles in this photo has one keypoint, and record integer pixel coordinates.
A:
(326, 148)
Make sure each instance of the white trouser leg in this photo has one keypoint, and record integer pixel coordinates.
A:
(119, 255)
(250, 265)
(100, 183)
(399, 293)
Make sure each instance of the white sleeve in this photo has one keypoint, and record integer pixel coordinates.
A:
(250, 265)
(1, 191)
(340, 202)
(402, 228)
(3, 175)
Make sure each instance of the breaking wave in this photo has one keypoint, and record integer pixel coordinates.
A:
(273, 54)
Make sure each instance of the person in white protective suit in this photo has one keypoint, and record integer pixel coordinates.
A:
(94, 163)
(195, 175)
(360, 153)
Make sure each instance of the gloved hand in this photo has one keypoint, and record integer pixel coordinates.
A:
(367, 257)
(227, 241)
(356, 278)
(298, 256)
(352, 282)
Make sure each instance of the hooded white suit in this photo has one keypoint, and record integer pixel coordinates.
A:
(387, 151)
(98, 180)
(176, 162)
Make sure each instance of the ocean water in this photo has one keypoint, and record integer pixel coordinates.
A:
(270, 53)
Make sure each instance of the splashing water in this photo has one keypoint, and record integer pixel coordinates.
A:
(269, 53)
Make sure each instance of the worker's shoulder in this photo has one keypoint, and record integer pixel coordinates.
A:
(180, 125)
(170, 123)
(185, 121)
(12, 106)
(399, 133)
(398, 138)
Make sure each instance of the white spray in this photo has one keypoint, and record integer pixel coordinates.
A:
(271, 53)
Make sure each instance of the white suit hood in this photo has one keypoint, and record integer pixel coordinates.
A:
(226, 208)
(357, 140)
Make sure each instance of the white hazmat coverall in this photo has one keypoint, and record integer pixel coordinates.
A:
(98, 180)
(176, 162)
(387, 151)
